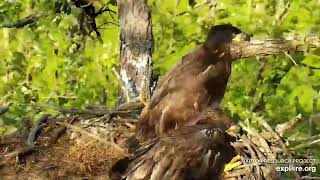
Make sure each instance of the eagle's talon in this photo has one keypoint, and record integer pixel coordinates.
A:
(235, 161)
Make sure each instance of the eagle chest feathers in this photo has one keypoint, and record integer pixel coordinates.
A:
(199, 80)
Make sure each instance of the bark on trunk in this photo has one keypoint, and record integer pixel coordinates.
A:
(136, 49)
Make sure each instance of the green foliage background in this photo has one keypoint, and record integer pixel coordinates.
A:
(49, 64)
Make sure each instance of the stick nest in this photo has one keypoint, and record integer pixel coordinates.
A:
(86, 147)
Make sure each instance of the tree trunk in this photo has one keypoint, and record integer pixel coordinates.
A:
(136, 49)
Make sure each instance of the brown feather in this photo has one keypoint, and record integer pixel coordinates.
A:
(196, 152)
(187, 90)
(197, 82)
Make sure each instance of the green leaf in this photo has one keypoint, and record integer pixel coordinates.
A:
(312, 60)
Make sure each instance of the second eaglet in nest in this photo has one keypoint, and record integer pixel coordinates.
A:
(197, 152)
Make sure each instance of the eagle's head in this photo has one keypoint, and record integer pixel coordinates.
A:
(220, 37)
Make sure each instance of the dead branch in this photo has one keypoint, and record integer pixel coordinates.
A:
(86, 133)
(253, 48)
(3, 109)
(304, 139)
(103, 9)
(34, 132)
(277, 136)
(304, 145)
(309, 177)
(283, 128)
(279, 17)
(134, 104)
(59, 131)
(20, 151)
(31, 19)
(97, 112)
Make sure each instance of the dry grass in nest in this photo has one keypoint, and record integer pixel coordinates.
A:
(83, 151)
(88, 150)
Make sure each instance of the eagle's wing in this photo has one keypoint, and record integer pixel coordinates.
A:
(195, 152)
(167, 83)
(139, 157)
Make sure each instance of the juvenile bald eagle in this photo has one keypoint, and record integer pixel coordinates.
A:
(197, 152)
(197, 82)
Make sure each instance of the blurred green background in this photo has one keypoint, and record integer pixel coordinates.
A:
(50, 64)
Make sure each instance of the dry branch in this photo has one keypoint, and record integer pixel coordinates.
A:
(91, 135)
(253, 48)
(20, 151)
(281, 129)
(252, 146)
(31, 19)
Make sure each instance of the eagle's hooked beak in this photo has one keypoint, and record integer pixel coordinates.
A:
(233, 131)
(241, 37)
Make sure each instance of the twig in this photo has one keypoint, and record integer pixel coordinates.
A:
(30, 173)
(134, 104)
(306, 144)
(23, 22)
(312, 138)
(283, 128)
(109, 22)
(96, 112)
(253, 155)
(309, 177)
(20, 151)
(201, 4)
(46, 168)
(103, 9)
(212, 5)
(263, 142)
(84, 132)
(282, 15)
(58, 132)
(113, 18)
(276, 135)
(290, 57)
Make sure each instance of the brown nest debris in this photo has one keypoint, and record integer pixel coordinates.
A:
(87, 147)
(66, 147)
(261, 153)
